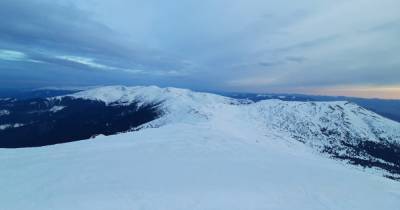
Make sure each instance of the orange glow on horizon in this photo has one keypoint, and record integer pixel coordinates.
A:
(392, 92)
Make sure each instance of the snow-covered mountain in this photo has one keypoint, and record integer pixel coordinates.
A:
(205, 151)
(341, 129)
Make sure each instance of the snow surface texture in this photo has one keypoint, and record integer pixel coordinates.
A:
(6, 126)
(55, 109)
(205, 152)
(4, 112)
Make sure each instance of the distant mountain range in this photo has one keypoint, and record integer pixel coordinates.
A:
(385, 107)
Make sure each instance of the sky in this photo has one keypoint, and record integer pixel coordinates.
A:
(324, 47)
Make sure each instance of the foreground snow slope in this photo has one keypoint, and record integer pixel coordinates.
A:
(206, 152)
(186, 166)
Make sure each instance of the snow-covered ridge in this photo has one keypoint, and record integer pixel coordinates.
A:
(304, 119)
(147, 94)
(321, 120)
(342, 129)
(174, 103)
(286, 115)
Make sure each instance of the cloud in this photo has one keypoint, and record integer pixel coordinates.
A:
(250, 83)
(64, 28)
(341, 45)
(11, 55)
(93, 64)
(224, 45)
(270, 64)
(296, 59)
(26, 24)
(366, 91)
